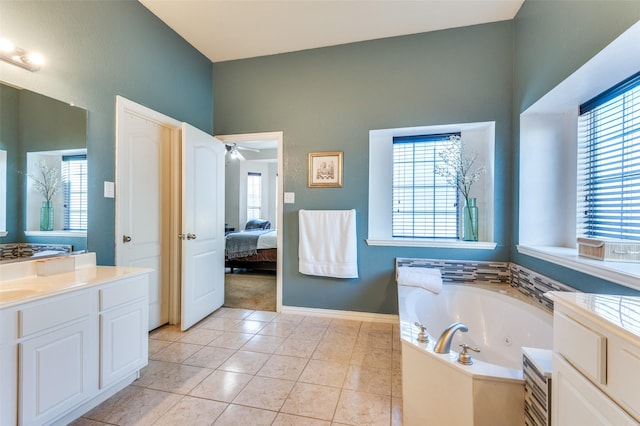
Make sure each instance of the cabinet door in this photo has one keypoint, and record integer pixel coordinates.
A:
(57, 372)
(576, 401)
(123, 341)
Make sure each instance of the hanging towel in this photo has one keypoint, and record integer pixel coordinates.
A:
(328, 243)
(427, 278)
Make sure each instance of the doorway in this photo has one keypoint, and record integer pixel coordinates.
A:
(248, 155)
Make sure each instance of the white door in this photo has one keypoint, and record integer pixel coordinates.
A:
(143, 170)
(202, 231)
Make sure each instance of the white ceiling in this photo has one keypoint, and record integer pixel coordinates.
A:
(225, 30)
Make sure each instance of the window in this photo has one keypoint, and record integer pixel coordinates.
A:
(254, 195)
(609, 163)
(479, 137)
(74, 177)
(424, 205)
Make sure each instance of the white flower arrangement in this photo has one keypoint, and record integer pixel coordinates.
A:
(46, 181)
(459, 169)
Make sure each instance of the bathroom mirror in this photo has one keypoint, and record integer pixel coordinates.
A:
(35, 128)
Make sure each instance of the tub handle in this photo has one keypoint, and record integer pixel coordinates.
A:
(464, 357)
(422, 336)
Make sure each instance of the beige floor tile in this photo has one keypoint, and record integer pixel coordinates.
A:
(167, 332)
(371, 380)
(283, 367)
(316, 321)
(331, 352)
(216, 323)
(238, 415)
(359, 408)
(264, 344)
(289, 318)
(262, 316)
(396, 382)
(297, 347)
(156, 345)
(192, 412)
(372, 357)
(279, 329)
(232, 313)
(327, 373)
(248, 326)
(308, 400)
(134, 406)
(345, 323)
(221, 386)
(176, 352)
(86, 422)
(209, 357)
(245, 362)
(308, 332)
(291, 420)
(200, 336)
(230, 340)
(170, 377)
(264, 392)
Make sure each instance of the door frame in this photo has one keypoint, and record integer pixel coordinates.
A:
(247, 138)
(124, 105)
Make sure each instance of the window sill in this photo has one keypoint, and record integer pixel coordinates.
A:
(458, 244)
(4, 233)
(66, 234)
(626, 274)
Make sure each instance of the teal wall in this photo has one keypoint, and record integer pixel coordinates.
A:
(328, 99)
(96, 50)
(553, 39)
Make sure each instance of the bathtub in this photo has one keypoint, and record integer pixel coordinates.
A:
(436, 389)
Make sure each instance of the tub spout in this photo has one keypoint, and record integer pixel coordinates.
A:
(443, 345)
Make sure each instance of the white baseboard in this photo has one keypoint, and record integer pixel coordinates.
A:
(347, 315)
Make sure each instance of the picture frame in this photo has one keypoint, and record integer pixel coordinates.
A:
(325, 169)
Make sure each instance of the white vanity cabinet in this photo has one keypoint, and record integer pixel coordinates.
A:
(63, 353)
(596, 360)
(123, 329)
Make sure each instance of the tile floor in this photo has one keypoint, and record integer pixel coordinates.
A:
(244, 367)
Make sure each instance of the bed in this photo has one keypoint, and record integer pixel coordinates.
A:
(252, 249)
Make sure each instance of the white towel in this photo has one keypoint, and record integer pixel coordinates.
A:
(328, 243)
(427, 278)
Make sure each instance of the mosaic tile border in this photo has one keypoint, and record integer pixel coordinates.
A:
(531, 284)
(20, 250)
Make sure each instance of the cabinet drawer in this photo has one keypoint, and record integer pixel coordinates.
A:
(585, 348)
(52, 313)
(124, 291)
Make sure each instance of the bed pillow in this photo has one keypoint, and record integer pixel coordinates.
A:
(258, 224)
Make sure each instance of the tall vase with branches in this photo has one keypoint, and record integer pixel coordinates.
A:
(459, 170)
(47, 182)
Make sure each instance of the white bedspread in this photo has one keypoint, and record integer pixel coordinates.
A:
(268, 240)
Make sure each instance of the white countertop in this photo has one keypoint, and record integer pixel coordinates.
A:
(30, 287)
(620, 314)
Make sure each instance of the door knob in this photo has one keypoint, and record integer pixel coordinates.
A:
(191, 236)
(126, 239)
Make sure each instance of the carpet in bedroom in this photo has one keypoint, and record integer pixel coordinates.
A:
(250, 290)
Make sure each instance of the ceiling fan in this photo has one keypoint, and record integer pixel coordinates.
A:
(234, 150)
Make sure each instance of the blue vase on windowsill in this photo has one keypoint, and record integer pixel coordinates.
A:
(46, 216)
(470, 220)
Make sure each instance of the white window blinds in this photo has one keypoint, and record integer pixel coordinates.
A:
(74, 176)
(424, 205)
(609, 163)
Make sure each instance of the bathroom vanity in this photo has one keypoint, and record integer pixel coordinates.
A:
(596, 360)
(71, 335)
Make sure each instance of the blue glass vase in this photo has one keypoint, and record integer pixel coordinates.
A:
(46, 216)
(470, 220)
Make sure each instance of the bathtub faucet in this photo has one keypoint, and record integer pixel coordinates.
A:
(443, 345)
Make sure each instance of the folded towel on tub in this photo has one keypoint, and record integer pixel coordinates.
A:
(427, 278)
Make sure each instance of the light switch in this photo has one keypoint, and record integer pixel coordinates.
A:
(109, 189)
(289, 197)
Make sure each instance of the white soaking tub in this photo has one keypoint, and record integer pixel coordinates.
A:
(436, 389)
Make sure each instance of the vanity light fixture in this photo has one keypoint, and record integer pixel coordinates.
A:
(20, 57)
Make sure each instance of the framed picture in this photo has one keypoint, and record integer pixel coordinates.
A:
(325, 169)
